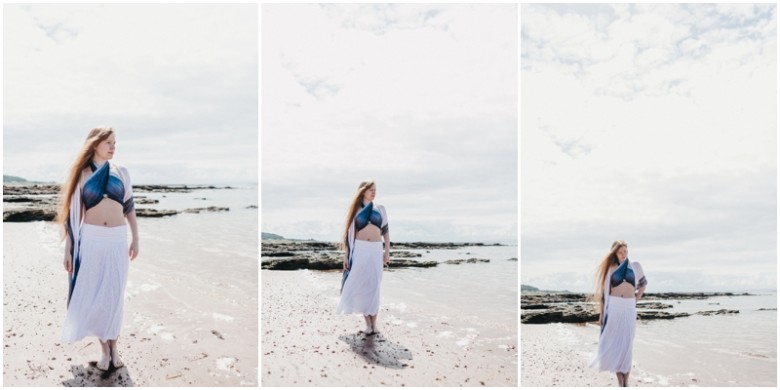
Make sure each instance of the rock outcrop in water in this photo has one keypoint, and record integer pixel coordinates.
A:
(38, 202)
(281, 254)
(575, 308)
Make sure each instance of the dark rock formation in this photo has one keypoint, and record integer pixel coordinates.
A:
(653, 305)
(209, 209)
(30, 189)
(329, 263)
(279, 253)
(154, 213)
(436, 245)
(659, 315)
(471, 261)
(716, 312)
(29, 214)
(541, 308)
(579, 297)
(570, 313)
(37, 202)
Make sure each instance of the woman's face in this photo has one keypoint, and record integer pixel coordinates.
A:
(105, 149)
(370, 194)
(622, 253)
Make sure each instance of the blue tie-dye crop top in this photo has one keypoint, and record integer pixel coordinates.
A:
(368, 215)
(105, 183)
(624, 273)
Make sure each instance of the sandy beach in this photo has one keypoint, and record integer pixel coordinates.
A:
(188, 320)
(549, 362)
(305, 343)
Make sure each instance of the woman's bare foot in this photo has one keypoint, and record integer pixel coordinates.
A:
(105, 357)
(104, 362)
(118, 363)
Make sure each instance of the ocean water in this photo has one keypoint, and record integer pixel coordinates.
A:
(202, 242)
(719, 350)
(478, 301)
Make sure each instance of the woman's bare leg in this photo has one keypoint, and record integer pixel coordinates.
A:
(369, 328)
(105, 358)
(115, 354)
(373, 323)
(625, 379)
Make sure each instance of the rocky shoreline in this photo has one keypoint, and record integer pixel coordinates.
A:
(548, 308)
(287, 255)
(54, 189)
(38, 202)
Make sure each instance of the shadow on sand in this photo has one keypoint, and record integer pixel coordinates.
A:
(376, 349)
(88, 376)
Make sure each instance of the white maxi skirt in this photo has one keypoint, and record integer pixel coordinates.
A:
(616, 342)
(97, 301)
(361, 289)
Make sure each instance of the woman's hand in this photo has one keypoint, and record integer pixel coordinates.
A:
(346, 264)
(386, 258)
(133, 250)
(67, 262)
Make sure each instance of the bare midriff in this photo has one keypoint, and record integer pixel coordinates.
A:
(369, 233)
(107, 213)
(623, 290)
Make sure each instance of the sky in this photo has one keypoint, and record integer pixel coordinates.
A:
(420, 98)
(655, 124)
(178, 82)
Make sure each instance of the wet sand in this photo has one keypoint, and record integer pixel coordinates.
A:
(558, 354)
(183, 326)
(549, 362)
(305, 343)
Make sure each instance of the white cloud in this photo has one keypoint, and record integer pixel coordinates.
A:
(664, 135)
(421, 98)
(178, 82)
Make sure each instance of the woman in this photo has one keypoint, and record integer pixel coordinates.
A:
(620, 285)
(365, 227)
(97, 198)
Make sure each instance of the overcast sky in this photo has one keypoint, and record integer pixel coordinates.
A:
(655, 124)
(420, 98)
(177, 81)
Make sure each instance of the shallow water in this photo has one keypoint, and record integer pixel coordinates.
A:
(720, 350)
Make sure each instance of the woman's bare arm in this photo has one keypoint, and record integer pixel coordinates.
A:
(386, 237)
(133, 222)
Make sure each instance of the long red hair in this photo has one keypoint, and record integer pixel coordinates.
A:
(87, 152)
(355, 205)
(601, 272)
